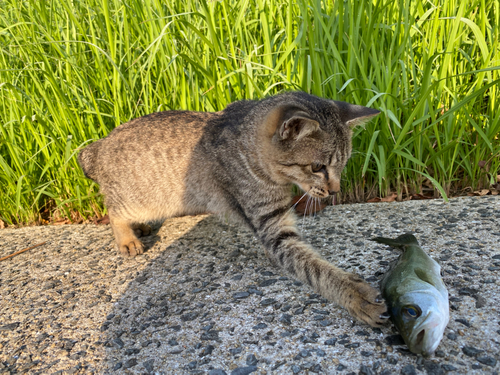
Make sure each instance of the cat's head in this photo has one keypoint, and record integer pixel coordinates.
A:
(309, 140)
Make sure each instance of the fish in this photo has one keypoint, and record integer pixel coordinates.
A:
(416, 295)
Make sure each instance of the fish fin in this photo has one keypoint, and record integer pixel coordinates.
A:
(424, 276)
(401, 241)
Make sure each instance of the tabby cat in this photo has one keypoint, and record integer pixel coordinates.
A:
(240, 161)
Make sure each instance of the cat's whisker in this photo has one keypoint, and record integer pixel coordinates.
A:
(305, 208)
(304, 214)
(308, 207)
(296, 203)
(293, 207)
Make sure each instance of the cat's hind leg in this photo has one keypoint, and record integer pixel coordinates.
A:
(125, 233)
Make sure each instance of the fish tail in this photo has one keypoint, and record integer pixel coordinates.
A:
(403, 240)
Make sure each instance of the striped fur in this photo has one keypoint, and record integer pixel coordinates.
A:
(240, 161)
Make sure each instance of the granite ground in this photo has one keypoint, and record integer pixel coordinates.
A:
(204, 299)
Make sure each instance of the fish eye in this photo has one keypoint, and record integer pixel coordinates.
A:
(412, 312)
(316, 167)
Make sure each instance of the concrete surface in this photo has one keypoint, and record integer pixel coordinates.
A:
(204, 299)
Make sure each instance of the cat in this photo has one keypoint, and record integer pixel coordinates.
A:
(239, 161)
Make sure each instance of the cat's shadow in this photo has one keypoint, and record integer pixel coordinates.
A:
(150, 240)
(187, 285)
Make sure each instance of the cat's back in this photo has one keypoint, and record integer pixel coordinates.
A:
(157, 128)
(167, 123)
(160, 137)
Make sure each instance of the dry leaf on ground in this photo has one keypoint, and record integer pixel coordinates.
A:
(61, 222)
(312, 207)
(103, 220)
(481, 192)
(390, 198)
(421, 197)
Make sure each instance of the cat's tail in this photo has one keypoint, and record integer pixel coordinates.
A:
(87, 158)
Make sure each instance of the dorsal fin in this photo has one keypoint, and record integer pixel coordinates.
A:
(401, 241)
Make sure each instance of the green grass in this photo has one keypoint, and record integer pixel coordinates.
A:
(71, 71)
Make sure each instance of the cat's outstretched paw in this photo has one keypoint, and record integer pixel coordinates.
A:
(365, 302)
(131, 248)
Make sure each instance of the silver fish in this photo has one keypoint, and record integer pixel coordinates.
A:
(416, 295)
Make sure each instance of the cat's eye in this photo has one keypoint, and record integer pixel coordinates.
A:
(316, 167)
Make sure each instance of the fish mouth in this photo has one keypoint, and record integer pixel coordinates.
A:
(420, 337)
(427, 335)
(420, 344)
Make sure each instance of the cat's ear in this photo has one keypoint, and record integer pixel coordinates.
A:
(296, 127)
(353, 115)
(287, 122)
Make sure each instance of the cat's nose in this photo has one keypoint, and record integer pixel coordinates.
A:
(333, 185)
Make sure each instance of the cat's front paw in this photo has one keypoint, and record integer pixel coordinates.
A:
(130, 249)
(365, 302)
